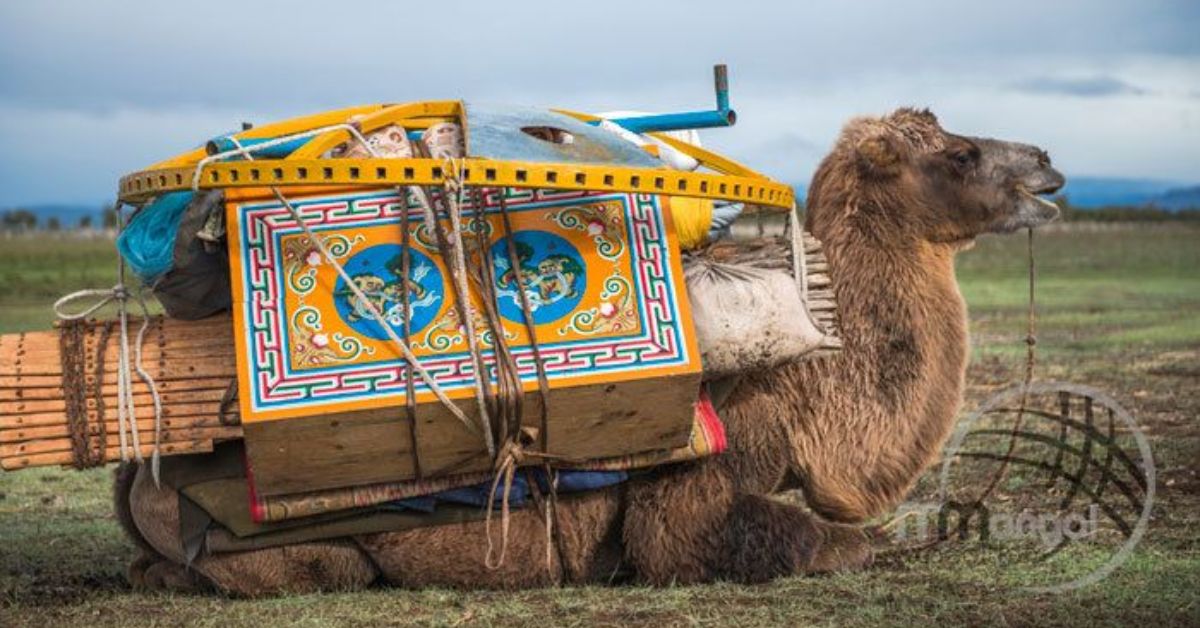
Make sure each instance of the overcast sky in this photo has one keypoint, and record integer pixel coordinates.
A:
(91, 90)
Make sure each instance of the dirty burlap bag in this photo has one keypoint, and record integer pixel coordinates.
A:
(747, 318)
(198, 283)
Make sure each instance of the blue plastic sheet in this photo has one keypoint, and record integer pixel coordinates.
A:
(477, 495)
(148, 241)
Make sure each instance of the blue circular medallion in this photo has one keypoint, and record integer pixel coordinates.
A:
(552, 273)
(376, 271)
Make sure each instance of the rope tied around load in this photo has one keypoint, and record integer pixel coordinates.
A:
(507, 444)
(516, 444)
(514, 454)
(128, 434)
(368, 305)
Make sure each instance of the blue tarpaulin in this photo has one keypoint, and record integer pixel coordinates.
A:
(477, 495)
(148, 242)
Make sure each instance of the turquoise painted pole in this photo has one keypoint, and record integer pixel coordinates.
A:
(719, 117)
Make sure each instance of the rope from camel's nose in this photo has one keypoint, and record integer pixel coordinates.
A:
(1030, 360)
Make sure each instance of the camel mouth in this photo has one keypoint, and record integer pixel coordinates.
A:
(1037, 196)
(1032, 209)
(1048, 187)
(1040, 186)
(1045, 182)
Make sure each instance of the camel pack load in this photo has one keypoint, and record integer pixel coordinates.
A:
(418, 304)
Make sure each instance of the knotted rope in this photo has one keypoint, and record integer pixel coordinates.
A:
(506, 402)
(513, 455)
(362, 298)
(128, 434)
(509, 446)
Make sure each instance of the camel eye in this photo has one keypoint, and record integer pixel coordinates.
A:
(962, 159)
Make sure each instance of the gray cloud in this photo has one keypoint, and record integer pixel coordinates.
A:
(1090, 87)
(112, 86)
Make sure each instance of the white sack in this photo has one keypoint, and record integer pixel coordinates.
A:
(747, 318)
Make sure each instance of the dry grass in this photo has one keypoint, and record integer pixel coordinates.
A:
(1120, 311)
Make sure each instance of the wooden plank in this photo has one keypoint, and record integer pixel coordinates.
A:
(355, 448)
(112, 439)
(623, 418)
(62, 430)
(50, 362)
(65, 458)
(170, 328)
(33, 406)
(47, 359)
(55, 392)
(373, 446)
(142, 411)
(176, 370)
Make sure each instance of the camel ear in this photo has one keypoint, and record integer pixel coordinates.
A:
(878, 156)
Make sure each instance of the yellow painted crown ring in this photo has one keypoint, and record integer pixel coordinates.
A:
(724, 179)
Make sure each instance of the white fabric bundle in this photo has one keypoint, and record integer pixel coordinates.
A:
(747, 318)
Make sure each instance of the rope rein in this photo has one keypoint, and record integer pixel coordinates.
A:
(1030, 361)
(1022, 409)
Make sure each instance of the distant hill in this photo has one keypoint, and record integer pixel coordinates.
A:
(1178, 199)
(1089, 192)
(801, 190)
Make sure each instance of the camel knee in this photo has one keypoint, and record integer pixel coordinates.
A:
(164, 575)
(154, 513)
(767, 539)
(673, 531)
(845, 507)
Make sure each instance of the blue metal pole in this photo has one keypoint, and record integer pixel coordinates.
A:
(722, 116)
(719, 117)
(677, 121)
(721, 82)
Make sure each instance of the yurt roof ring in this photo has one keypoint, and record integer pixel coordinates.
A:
(499, 154)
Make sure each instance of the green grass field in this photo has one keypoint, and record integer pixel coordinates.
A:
(1119, 309)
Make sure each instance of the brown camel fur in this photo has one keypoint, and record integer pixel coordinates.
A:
(894, 201)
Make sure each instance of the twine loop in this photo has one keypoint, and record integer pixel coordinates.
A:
(128, 434)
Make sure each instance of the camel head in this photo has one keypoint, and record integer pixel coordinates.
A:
(903, 179)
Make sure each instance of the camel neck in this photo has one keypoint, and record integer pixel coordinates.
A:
(897, 299)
